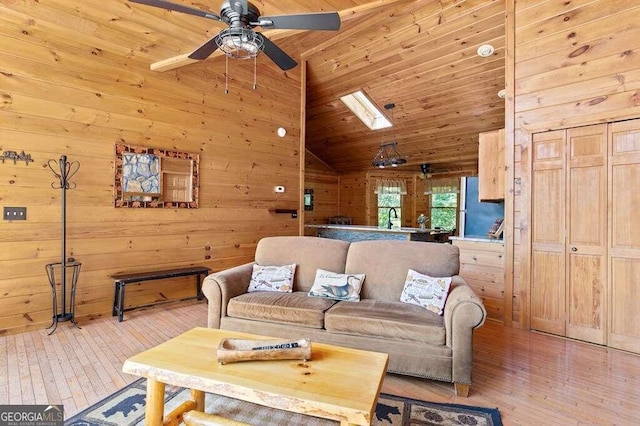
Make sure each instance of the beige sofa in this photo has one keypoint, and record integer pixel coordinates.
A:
(419, 342)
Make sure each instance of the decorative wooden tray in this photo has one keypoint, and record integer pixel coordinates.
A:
(235, 350)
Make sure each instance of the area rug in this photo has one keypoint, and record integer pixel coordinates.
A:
(126, 407)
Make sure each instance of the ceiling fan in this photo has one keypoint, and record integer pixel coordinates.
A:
(239, 40)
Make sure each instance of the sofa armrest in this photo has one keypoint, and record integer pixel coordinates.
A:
(220, 287)
(463, 312)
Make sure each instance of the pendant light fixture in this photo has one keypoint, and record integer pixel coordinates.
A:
(388, 155)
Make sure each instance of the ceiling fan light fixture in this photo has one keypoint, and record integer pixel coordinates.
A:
(240, 43)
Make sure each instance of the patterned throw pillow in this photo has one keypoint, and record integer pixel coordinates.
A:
(426, 291)
(337, 286)
(272, 278)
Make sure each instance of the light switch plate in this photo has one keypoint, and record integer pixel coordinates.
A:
(14, 213)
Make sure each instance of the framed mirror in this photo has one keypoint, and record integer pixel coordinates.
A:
(308, 199)
(155, 178)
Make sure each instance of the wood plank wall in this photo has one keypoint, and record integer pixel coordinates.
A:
(325, 183)
(414, 203)
(576, 63)
(358, 200)
(66, 88)
(353, 197)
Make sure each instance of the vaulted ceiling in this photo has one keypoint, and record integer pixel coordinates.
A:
(419, 55)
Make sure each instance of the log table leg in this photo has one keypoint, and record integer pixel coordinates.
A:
(154, 411)
(198, 397)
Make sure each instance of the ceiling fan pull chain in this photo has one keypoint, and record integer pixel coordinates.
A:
(255, 70)
(226, 76)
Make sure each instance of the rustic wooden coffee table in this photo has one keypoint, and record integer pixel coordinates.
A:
(338, 383)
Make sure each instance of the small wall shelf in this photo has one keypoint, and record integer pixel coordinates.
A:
(292, 212)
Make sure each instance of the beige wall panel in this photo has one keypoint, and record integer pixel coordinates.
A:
(491, 166)
(495, 260)
(482, 266)
(314, 165)
(24, 286)
(486, 274)
(626, 205)
(495, 308)
(533, 12)
(548, 207)
(574, 92)
(68, 87)
(587, 233)
(580, 69)
(547, 293)
(585, 308)
(568, 28)
(25, 321)
(624, 241)
(326, 196)
(353, 196)
(625, 305)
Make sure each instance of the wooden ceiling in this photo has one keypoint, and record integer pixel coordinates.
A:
(419, 55)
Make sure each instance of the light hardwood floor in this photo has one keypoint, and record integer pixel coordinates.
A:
(530, 377)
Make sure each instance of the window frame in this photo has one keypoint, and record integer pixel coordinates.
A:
(398, 208)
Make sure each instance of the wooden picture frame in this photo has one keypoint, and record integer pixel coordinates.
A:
(496, 229)
(176, 172)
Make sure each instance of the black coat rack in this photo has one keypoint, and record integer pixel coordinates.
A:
(64, 171)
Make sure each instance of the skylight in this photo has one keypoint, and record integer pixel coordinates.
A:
(365, 110)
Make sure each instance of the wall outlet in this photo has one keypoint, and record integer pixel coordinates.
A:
(14, 213)
(279, 189)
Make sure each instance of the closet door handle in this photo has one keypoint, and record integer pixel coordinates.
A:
(574, 248)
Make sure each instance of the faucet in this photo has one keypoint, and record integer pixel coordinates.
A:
(395, 215)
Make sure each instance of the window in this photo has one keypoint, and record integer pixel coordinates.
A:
(386, 202)
(365, 110)
(443, 202)
(390, 192)
(444, 209)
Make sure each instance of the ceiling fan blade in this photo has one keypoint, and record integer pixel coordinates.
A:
(178, 8)
(329, 21)
(204, 51)
(277, 55)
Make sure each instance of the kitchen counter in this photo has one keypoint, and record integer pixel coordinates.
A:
(354, 233)
(478, 239)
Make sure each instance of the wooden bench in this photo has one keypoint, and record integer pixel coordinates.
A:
(121, 280)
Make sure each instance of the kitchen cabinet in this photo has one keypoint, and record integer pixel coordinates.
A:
(482, 267)
(491, 166)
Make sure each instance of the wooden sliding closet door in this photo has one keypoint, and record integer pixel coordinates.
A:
(586, 248)
(624, 251)
(548, 201)
(569, 233)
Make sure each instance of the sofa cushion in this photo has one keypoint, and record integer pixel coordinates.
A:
(386, 264)
(285, 308)
(272, 278)
(386, 320)
(428, 292)
(337, 286)
(309, 253)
